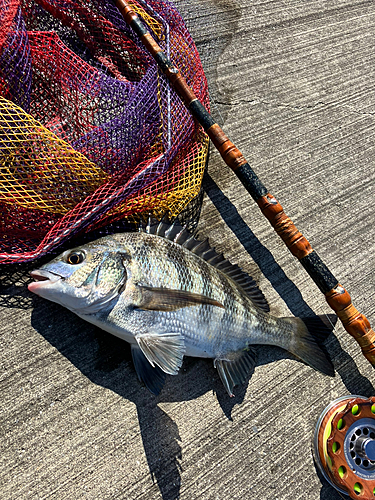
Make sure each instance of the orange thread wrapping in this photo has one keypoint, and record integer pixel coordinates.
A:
(367, 341)
(229, 152)
(354, 322)
(284, 226)
(348, 314)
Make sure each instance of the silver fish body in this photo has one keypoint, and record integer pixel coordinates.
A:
(170, 295)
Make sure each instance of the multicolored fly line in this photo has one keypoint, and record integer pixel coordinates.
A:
(91, 132)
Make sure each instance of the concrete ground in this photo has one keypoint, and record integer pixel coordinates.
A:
(292, 84)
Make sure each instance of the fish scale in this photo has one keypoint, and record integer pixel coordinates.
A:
(169, 295)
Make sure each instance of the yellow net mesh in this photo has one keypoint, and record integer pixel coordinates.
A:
(91, 132)
(37, 169)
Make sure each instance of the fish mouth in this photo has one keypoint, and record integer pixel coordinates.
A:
(42, 275)
(42, 279)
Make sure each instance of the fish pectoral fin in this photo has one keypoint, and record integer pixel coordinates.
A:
(165, 299)
(164, 350)
(152, 376)
(235, 368)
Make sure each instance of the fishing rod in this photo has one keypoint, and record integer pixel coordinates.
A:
(337, 297)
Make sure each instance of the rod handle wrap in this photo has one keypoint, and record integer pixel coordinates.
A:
(180, 85)
(337, 297)
(354, 322)
(229, 152)
(284, 226)
(127, 12)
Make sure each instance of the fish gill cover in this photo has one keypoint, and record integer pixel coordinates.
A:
(90, 130)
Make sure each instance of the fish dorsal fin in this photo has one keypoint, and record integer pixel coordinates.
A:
(164, 350)
(245, 281)
(236, 368)
(174, 231)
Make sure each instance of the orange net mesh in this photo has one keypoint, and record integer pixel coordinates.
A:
(90, 130)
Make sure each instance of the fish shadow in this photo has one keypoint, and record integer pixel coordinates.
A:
(343, 363)
(14, 279)
(106, 361)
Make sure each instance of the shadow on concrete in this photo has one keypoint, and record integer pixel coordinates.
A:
(343, 362)
(327, 492)
(106, 360)
(13, 282)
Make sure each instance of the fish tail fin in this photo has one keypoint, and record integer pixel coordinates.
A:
(310, 333)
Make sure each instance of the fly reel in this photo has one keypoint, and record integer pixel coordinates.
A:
(344, 446)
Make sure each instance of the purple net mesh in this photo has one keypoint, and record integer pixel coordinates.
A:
(90, 130)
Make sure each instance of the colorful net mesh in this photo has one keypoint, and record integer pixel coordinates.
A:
(90, 130)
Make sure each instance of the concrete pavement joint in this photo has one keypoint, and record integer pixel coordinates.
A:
(294, 107)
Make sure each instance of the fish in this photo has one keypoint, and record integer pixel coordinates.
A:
(169, 295)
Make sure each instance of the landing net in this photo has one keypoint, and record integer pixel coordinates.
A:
(90, 130)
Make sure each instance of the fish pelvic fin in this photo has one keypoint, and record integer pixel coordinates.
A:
(310, 333)
(152, 376)
(236, 368)
(164, 350)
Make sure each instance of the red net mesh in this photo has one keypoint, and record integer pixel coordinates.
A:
(90, 130)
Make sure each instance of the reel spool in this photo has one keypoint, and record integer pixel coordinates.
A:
(344, 446)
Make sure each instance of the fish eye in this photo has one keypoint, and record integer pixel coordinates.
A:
(75, 257)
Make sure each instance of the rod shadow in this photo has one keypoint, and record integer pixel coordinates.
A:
(343, 362)
(106, 360)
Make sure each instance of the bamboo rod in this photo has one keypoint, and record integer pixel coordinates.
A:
(337, 297)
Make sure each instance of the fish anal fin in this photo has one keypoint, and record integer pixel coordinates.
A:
(164, 350)
(236, 368)
(165, 299)
(152, 376)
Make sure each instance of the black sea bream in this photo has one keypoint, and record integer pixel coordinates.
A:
(170, 295)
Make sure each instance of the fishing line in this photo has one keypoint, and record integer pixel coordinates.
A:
(213, 101)
(168, 52)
